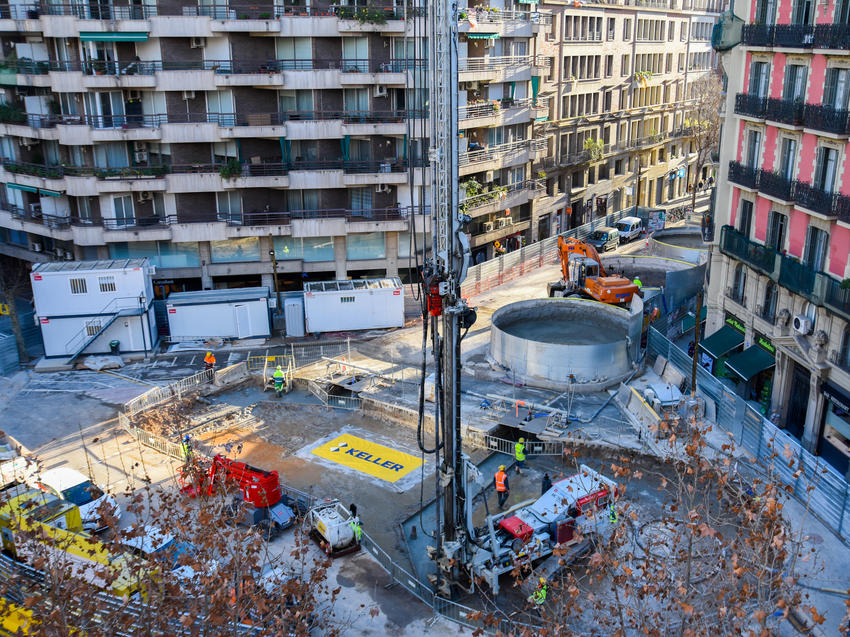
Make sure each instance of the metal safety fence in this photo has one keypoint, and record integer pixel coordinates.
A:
(487, 275)
(810, 479)
(159, 395)
(532, 447)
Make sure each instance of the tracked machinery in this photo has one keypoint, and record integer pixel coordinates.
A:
(582, 274)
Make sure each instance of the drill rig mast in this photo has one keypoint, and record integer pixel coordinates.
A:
(445, 273)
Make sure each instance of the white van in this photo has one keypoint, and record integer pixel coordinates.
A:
(630, 228)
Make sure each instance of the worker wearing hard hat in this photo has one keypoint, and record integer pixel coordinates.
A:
(539, 594)
(638, 282)
(209, 361)
(186, 448)
(519, 454)
(278, 380)
(503, 488)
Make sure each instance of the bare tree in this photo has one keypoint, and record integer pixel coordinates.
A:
(15, 281)
(702, 123)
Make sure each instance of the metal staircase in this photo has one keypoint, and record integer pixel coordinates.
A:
(96, 326)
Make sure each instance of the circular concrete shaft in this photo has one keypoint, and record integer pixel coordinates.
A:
(685, 244)
(553, 343)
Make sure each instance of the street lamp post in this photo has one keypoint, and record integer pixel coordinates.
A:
(274, 274)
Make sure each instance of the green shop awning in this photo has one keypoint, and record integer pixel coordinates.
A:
(49, 193)
(688, 321)
(22, 187)
(750, 362)
(126, 36)
(722, 342)
(482, 36)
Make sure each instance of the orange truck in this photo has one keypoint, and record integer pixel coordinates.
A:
(583, 275)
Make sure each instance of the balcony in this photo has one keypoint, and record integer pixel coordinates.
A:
(757, 35)
(815, 199)
(794, 275)
(750, 105)
(492, 108)
(500, 198)
(832, 36)
(743, 175)
(350, 215)
(826, 119)
(784, 111)
(501, 152)
(794, 36)
(776, 185)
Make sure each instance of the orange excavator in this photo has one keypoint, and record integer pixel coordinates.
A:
(584, 275)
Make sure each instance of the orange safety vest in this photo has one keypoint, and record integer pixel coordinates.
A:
(209, 358)
(500, 481)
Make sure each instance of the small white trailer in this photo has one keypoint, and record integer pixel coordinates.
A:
(229, 313)
(94, 307)
(357, 304)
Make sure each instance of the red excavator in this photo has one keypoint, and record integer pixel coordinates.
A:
(583, 275)
(260, 499)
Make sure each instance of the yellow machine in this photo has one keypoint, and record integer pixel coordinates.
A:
(31, 520)
(15, 620)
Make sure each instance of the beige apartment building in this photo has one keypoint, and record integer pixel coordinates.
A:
(224, 140)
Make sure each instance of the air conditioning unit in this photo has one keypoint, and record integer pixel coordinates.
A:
(802, 324)
(35, 208)
(140, 156)
(502, 222)
(134, 95)
(489, 175)
(36, 247)
(380, 90)
(488, 226)
(69, 256)
(197, 43)
(140, 145)
(188, 95)
(382, 188)
(145, 195)
(509, 221)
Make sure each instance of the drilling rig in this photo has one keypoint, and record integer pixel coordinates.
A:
(443, 275)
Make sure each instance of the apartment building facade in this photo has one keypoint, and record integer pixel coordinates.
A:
(618, 94)
(781, 258)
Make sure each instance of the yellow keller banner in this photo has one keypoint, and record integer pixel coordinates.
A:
(368, 457)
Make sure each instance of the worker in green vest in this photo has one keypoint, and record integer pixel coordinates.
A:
(539, 594)
(278, 381)
(186, 448)
(638, 282)
(519, 454)
(612, 514)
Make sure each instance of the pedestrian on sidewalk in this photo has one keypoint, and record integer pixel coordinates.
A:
(547, 484)
(503, 488)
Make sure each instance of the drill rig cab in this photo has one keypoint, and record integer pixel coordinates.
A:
(584, 275)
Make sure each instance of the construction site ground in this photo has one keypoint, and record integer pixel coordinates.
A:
(69, 419)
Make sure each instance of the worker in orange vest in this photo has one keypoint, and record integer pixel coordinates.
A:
(500, 480)
(209, 361)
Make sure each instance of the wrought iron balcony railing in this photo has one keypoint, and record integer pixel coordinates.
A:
(757, 34)
(832, 36)
(751, 105)
(785, 111)
(795, 36)
(825, 118)
(776, 185)
(743, 175)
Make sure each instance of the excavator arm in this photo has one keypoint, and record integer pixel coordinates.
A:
(569, 246)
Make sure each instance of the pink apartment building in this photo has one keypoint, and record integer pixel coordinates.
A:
(778, 323)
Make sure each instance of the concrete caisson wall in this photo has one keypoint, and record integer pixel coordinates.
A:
(562, 338)
(684, 244)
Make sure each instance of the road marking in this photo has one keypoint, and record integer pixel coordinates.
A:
(368, 457)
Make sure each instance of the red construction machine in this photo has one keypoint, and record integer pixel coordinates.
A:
(583, 275)
(260, 501)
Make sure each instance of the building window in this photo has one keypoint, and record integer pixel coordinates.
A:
(745, 221)
(235, 250)
(788, 157)
(768, 308)
(739, 284)
(106, 283)
(612, 28)
(229, 204)
(123, 207)
(824, 177)
(627, 29)
(817, 243)
(346, 299)
(624, 65)
(759, 78)
(765, 12)
(803, 12)
(811, 312)
(776, 224)
(836, 90)
(753, 148)
(369, 245)
(93, 328)
(78, 286)
(795, 83)
(844, 354)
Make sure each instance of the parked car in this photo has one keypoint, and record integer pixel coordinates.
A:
(73, 486)
(629, 228)
(604, 239)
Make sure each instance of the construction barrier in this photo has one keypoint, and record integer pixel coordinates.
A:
(159, 395)
(532, 447)
(810, 479)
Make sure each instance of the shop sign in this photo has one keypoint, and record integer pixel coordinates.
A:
(765, 344)
(733, 322)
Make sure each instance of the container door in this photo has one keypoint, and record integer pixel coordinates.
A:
(243, 320)
(294, 313)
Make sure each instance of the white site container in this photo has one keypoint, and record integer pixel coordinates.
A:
(293, 310)
(357, 304)
(229, 313)
(82, 306)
